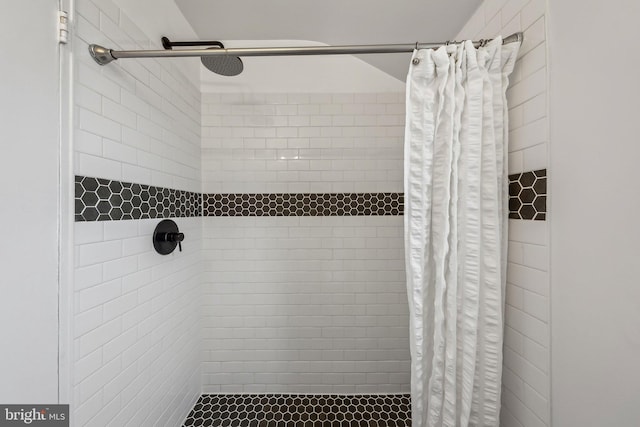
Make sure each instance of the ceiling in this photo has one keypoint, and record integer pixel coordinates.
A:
(332, 22)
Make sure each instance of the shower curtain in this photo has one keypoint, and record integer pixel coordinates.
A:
(455, 230)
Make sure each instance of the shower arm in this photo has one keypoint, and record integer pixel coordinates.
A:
(103, 55)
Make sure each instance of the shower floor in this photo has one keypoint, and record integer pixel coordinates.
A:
(304, 410)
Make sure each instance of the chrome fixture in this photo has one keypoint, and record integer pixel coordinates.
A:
(226, 65)
(104, 56)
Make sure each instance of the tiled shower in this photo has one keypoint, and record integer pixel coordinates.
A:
(308, 301)
(290, 283)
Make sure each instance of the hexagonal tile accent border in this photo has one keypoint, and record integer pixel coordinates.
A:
(286, 410)
(528, 195)
(98, 199)
(295, 204)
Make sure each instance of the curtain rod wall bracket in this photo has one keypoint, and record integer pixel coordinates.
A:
(515, 37)
(101, 55)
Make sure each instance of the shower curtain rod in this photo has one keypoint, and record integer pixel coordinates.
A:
(103, 55)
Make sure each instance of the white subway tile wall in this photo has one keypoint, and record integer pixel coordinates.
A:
(136, 314)
(136, 324)
(526, 383)
(302, 143)
(304, 304)
(137, 120)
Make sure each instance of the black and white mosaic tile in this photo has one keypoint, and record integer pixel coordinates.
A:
(98, 199)
(301, 410)
(528, 195)
(297, 204)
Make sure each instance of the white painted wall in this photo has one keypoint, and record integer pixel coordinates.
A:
(595, 273)
(29, 193)
(302, 74)
(334, 22)
(525, 375)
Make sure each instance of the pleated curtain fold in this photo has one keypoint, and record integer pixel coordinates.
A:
(456, 230)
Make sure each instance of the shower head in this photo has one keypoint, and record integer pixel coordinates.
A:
(223, 65)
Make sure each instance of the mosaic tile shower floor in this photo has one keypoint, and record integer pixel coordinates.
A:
(301, 410)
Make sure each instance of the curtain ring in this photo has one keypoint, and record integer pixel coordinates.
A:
(416, 61)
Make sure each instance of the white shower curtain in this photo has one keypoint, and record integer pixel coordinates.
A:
(455, 230)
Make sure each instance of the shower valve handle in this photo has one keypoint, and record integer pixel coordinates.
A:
(166, 237)
(171, 237)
